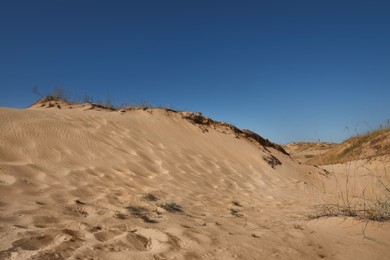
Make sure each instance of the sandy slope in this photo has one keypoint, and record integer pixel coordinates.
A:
(306, 151)
(67, 177)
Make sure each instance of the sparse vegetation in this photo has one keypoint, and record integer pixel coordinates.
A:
(171, 207)
(381, 209)
(272, 161)
(140, 212)
(236, 212)
(366, 146)
(80, 202)
(137, 211)
(36, 91)
(87, 98)
(353, 205)
(199, 119)
(59, 93)
(108, 103)
(375, 210)
(236, 203)
(150, 197)
(120, 215)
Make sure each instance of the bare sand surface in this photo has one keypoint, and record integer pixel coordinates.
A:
(89, 183)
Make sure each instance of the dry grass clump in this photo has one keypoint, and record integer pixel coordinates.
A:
(120, 215)
(150, 197)
(380, 210)
(272, 160)
(236, 212)
(140, 212)
(137, 211)
(349, 204)
(236, 203)
(376, 210)
(171, 206)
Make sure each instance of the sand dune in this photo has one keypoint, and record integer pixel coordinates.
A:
(365, 146)
(305, 152)
(84, 182)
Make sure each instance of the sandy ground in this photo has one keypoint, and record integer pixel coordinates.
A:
(147, 184)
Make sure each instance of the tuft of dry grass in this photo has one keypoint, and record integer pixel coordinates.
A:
(376, 210)
(171, 206)
(120, 215)
(150, 197)
(236, 203)
(236, 213)
(140, 212)
(347, 204)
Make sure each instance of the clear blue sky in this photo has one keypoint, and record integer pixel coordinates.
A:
(288, 70)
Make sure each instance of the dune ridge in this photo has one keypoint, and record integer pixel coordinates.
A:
(196, 118)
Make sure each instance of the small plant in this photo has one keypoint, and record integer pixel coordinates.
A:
(35, 90)
(137, 211)
(171, 207)
(357, 206)
(377, 210)
(236, 203)
(108, 103)
(59, 93)
(380, 210)
(120, 215)
(87, 98)
(80, 202)
(140, 212)
(150, 197)
(236, 213)
(298, 226)
(272, 161)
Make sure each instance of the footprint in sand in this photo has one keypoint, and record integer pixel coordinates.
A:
(106, 235)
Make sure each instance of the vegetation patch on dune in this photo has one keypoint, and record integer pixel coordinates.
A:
(349, 203)
(370, 210)
(366, 146)
(198, 118)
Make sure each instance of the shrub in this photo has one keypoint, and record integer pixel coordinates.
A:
(236, 213)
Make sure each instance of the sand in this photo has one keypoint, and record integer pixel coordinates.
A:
(91, 183)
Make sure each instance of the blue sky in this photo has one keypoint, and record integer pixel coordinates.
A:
(288, 70)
